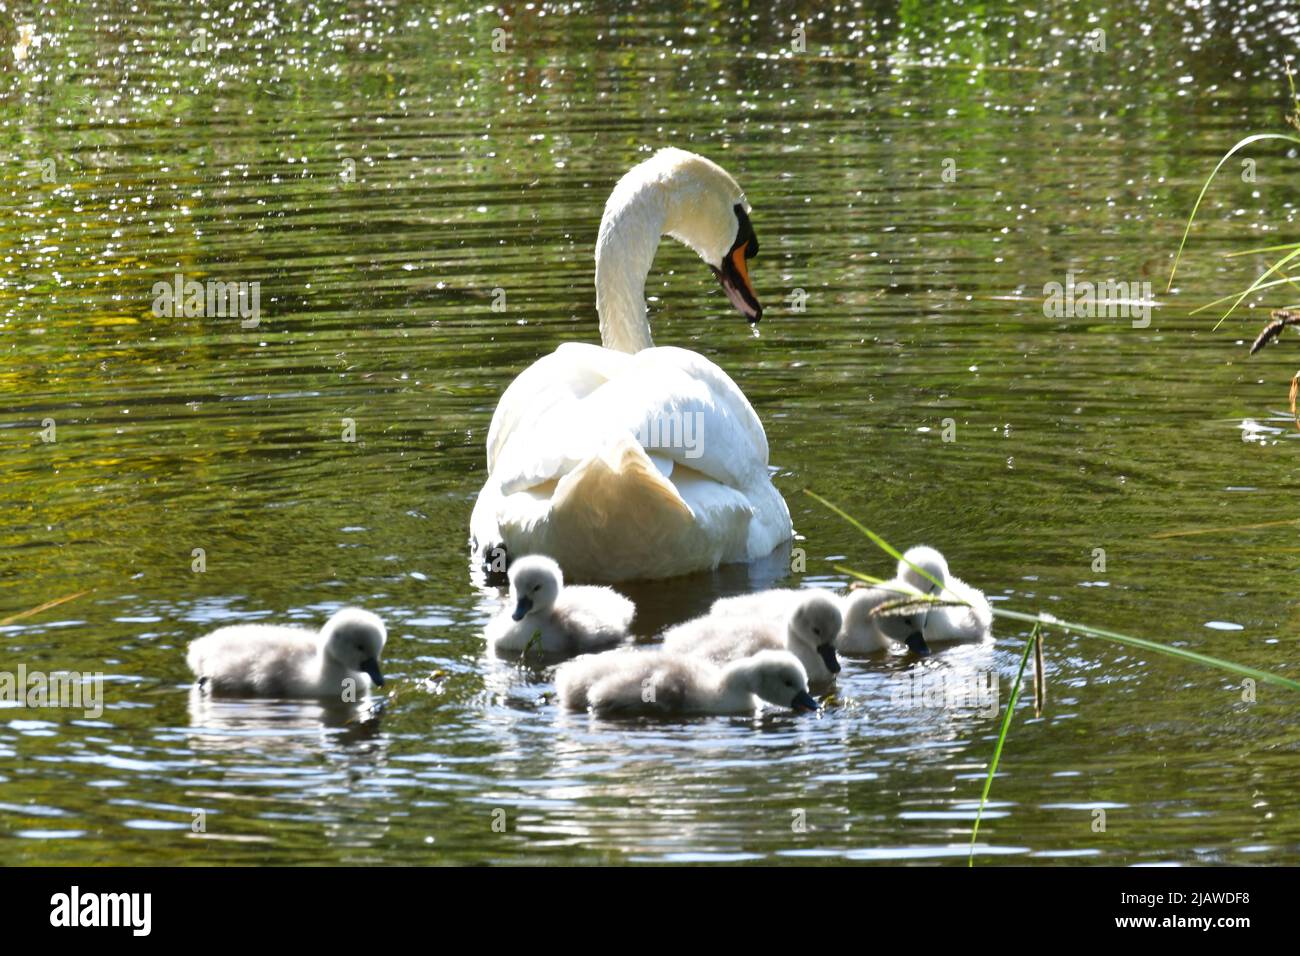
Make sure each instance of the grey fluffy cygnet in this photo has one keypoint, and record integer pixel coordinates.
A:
(566, 620)
(631, 682)
(805, 623)
(971, 620)
(261, 660)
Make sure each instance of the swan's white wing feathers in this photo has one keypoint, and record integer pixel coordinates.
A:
(679, 406)
(570, 373)
(667, 384)
(615, 516)
(570, 476)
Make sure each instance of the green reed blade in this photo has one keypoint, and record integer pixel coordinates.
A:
(1254, 138)
(1002, 739)
(1256, 284)
(875, 538)
(1231, 666)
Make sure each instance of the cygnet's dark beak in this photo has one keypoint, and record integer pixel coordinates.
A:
(803, 701)
(370, 666)
(916, 644)
(827, 652)
(523, 607)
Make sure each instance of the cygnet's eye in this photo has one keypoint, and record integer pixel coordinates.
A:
(536, 588)
(817, 631)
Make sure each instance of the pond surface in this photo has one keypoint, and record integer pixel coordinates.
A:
(381, 171)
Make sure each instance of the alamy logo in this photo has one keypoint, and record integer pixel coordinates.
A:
(84, 692)
(977, 690)
(673, 431)
(213, 299)
(1109, 299)
(103, 909)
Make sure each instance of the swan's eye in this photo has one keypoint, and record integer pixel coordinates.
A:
(536, 588)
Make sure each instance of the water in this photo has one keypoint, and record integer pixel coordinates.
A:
(380, 171)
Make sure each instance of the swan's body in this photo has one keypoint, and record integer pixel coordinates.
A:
(806, 627)
(259, 660)
(973, 622)
(624, 460)
(631, 681)
(564, 620)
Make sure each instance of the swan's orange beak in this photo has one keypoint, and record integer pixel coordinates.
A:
(734, 274)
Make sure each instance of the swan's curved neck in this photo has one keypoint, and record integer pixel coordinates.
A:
(625, 249)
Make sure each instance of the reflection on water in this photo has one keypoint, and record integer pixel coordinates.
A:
(381, 172)
(224, 723)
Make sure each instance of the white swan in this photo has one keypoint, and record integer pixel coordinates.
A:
(260, 660)
(623, 460)
(806, 627)
(567, 620)
(631, 681)
(972, 622)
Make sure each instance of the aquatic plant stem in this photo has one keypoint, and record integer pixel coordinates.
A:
(1002, 739)
(41, 607)
(1155, 646)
